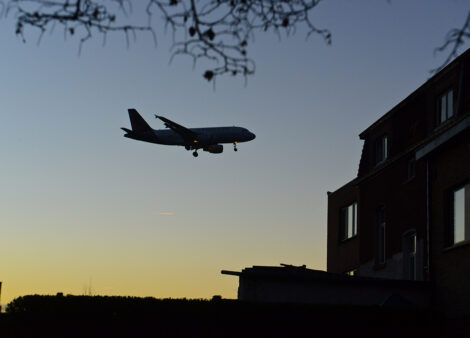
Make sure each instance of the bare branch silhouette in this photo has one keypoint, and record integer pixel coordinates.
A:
(87, 16)
(219, 30)
(216, 31)
(455, 38)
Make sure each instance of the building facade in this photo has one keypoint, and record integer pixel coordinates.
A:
(297, 284)
(407, 213)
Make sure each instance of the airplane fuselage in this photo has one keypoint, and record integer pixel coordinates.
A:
(207, 136)
(208, 139)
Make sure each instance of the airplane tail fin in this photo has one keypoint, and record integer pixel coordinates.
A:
(137, 122)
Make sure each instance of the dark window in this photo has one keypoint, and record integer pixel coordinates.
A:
(411, 168)
(460, 211)
(445, 106)
(381, 235)
(409, 255)
(348, 221)
(381, 149)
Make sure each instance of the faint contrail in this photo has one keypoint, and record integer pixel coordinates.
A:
(166, 213)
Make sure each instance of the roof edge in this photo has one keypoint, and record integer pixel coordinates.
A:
(350, 183)
(444, 70)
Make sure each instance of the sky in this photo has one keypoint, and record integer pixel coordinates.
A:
(84, 209)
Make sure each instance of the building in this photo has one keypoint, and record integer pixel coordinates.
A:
(297, 284)
(407, 213)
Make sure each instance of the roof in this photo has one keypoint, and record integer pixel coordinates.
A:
(442, 135)
(291, 273)
(413, 94)
(351, 183)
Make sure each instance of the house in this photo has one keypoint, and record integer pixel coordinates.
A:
(398, 233)
(406, 216)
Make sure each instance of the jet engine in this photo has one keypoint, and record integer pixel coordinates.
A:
(214, 149)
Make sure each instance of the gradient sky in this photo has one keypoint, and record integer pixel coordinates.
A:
(83, 207)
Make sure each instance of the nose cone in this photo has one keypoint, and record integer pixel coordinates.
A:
(252, 136)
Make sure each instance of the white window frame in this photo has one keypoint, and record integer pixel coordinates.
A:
(460, 212)
(348, 221)
(381, 149)
(445, 106)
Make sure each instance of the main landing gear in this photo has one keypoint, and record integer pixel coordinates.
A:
(188, 148)
(235, 146)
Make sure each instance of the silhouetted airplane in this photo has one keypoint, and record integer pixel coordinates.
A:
(207, 139)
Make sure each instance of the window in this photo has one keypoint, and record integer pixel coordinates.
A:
(411, 168)
(381, 235)
(460, 211)
(348, 221)
(381, 149)
(409, 255)
(445, 106)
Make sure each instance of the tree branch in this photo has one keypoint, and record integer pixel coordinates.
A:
(217, 31)
(455, 38)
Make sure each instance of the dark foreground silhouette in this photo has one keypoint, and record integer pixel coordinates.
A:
(87, 316)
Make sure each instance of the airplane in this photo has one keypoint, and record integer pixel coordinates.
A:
(207, 139)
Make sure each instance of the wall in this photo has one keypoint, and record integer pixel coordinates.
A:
(450, 167)
(404, 201)
(342, 256)
(395, 266)
(332, 292)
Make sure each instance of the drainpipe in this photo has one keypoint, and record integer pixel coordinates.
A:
(428, 221)
(459, 93)
(430, 270)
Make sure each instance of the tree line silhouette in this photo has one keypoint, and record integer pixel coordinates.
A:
(98, 316)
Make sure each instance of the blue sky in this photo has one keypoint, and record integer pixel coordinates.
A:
(81, 204)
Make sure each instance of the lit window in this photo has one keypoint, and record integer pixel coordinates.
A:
(381, 149)
(409, 255)
(348, 221)
(461, 214)
(352, 272)
(446, 106)
(381, 235)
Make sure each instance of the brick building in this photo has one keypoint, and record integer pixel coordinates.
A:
(407, 213)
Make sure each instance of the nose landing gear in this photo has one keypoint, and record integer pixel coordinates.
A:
(195, 154)
(235, 146)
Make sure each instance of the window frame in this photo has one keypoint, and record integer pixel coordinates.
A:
(381, 149)
(444, 98)
(346, 230)
(410, 255)
(381, 236)
(466, 215)
(411, 168)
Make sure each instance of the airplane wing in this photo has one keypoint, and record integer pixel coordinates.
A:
(187, 134)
